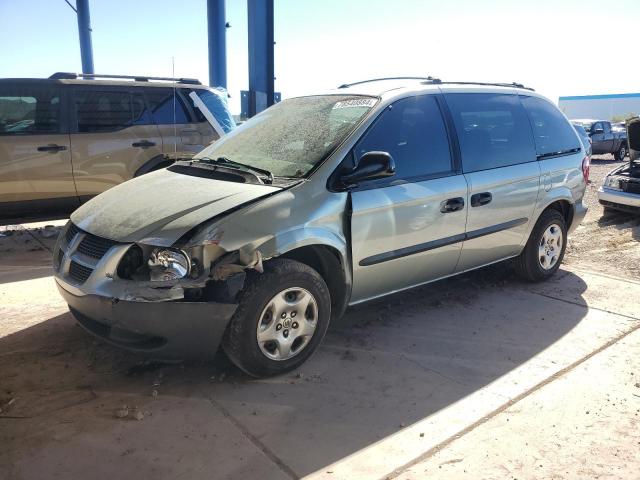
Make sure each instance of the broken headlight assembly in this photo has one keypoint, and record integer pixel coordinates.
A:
(168, 264)
(612, 182)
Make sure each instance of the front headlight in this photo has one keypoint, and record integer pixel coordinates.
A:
(612, 182)
(168, 264)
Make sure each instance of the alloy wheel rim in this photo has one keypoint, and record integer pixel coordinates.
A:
(287, 324)
(550, 246)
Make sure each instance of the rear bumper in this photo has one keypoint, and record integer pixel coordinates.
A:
(163, 330)
(619, 199)
(579, 212)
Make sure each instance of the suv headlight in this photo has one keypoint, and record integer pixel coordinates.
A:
(612, 182)
(168, 264)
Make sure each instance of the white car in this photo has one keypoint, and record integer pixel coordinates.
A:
(621, 187)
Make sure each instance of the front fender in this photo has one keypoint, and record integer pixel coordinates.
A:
(284, 242)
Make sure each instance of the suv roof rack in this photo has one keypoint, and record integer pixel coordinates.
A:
(437, 81)
(137, 78)
(347, 85)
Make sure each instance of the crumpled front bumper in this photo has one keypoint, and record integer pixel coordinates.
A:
(161, 330)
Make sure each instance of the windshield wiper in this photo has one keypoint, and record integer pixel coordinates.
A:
(224, 161)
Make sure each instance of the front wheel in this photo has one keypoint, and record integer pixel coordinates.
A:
(544, 251)
(281, 318)
(621, 153)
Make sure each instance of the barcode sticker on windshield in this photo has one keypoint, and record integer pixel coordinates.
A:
(359, 102)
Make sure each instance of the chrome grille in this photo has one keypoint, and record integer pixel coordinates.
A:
(95, 247)
(78, 272)
(80, 253)
(71, 232)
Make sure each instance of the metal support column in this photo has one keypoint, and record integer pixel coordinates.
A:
(84, 31)
(261, 70)
(217, 42)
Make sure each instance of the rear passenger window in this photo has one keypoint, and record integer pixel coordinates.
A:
(102, 111)
(552, 133)
(413, 132)
(141, 114)
(28, 110)
(166, 108)
(493, 130)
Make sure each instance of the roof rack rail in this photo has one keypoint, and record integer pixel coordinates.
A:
(347, 85)
(137, 78)
(437, 81)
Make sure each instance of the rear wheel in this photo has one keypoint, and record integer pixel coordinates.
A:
(545, 248)
(622, 152)
(281, 319)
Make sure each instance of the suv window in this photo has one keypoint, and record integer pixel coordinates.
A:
(161, 103)
(412, 131)
(493, 130)
(27, 110)
(98, 111)
(606, 127)
(551, 131)
(141, 115)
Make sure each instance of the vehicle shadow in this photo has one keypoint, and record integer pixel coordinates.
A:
(387, 364)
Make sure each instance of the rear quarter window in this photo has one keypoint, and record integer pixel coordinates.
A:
(493, 130)
(29, 110)
(552, 133)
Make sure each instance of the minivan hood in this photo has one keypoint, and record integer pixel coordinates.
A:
(159, 207)
(633, 135)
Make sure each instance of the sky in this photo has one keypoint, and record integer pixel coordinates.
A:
(558, 47)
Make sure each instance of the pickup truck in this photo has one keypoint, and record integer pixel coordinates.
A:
(604, 139)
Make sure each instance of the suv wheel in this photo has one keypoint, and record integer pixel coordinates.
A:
(545, 248)
(281, 319)
(621, 153)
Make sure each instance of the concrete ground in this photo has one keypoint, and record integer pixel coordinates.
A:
(479, 376)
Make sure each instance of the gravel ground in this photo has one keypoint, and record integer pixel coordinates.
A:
(605, 242)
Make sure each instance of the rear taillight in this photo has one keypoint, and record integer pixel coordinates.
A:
(585, 169)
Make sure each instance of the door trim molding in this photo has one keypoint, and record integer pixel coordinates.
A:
(442, 242)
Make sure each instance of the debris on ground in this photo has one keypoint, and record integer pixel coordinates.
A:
(138, 415)
(122, 412)
(5, 406)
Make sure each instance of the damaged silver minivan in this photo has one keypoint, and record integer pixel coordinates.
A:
(318, 203)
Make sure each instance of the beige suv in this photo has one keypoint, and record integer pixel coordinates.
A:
(68, 138)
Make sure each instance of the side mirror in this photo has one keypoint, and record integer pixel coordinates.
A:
(372, 165)
(597, 130)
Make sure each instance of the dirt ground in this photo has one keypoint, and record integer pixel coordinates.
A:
(477, 376)
(605, 241)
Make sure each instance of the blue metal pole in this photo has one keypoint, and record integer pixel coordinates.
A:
(84, 30)
(217, 42)
(261, 69)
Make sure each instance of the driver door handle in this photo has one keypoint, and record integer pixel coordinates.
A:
(452, 205)
(143, 144)
(51, 148)
(479, 199)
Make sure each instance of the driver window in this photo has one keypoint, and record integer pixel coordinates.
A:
(412, 131)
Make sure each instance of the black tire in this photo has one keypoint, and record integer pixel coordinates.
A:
(621, 153)
(240, 342)
(528, 264)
